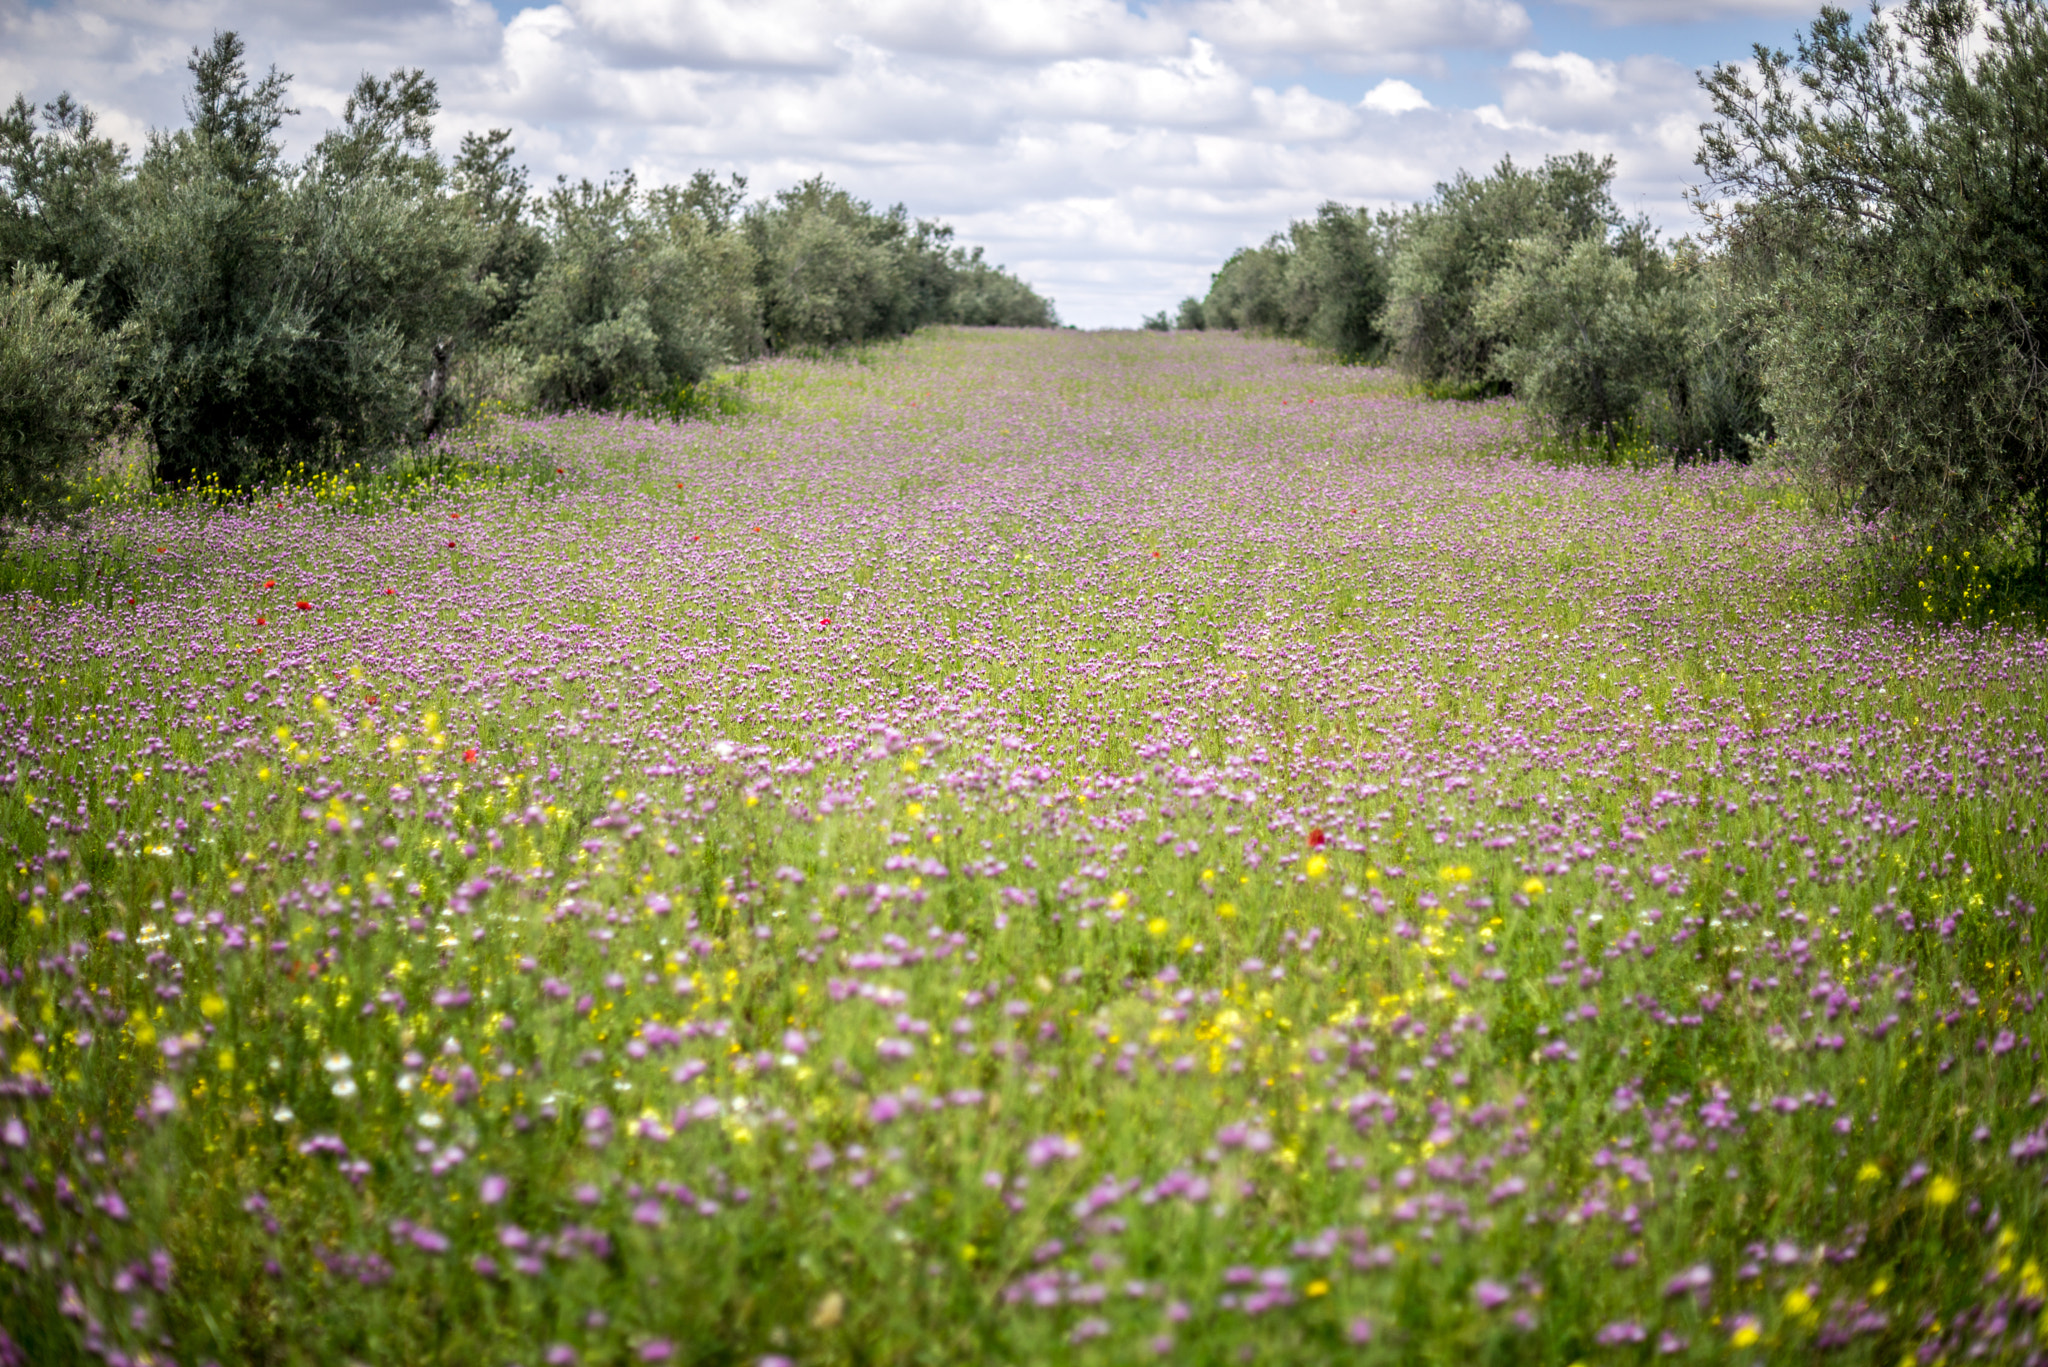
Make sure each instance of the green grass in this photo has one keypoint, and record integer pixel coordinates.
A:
(1593, 825)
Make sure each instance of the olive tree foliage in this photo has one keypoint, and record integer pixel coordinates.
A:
(283, 314)
(1336, 282)
(832, 271)
(1322, 281)
(636, 295)
(985, 295)
(1448, 250)
(1624, 337)
(61, 192)
(1886, 231)
(1576, 329)
(492, 194)
(56, 386)
(1709, 400)
(60, 195)
(1245, 293)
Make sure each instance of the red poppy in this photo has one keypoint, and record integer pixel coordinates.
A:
(1316, 837)
(451, 545)
(1155, 555)
(304, 606)
(455, 517)
(825, 621)
(560, 471)
(757, 528)
(370, 698)
(131, 602)
(469, 756)
(390, 592)
(270, 583)
(261, 621)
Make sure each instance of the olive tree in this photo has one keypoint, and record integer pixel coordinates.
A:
(284, 314)
(1448, 250)
(1881, 192)
(56, 386)
(627, 304)
(1247, 292)
(1336, 281)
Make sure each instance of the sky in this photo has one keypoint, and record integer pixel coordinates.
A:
(1111, 152)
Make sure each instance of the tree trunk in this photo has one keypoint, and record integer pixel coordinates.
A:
(434, 386)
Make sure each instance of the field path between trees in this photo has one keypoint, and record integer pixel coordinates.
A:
(1031, 847)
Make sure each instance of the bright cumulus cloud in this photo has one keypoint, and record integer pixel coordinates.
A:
(1112, 153)
(1394, 96)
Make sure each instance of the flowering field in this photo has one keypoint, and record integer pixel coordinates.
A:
(1037, 848)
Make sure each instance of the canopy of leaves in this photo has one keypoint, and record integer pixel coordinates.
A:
(1624, 337)
(1887, 182)
(1448, 250)
(56, 385)
(276, 318)
(1324, 281)
(631, 299)
(281, 312)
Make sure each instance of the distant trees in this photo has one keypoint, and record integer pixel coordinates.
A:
(1449, 250)
(1523, 281)
(629, 298)
(1323, 280)
(261, 316)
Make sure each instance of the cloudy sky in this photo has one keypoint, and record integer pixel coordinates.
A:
(1112, 152)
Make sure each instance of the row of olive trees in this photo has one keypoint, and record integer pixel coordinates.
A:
(1521, 280)
(1871, 290)
(255, 315)
(1324, 281)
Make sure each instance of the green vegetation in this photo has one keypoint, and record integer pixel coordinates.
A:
(1867, 305)
(1200, 857)
(268, 320)
(1322, 281)
(56, 391)
(1887, 243)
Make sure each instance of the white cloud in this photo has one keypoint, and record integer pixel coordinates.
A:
(1692, 11)
(1112, 154)
(811, 34)
(1354, 27)
(1647, 110)
(1394, 97)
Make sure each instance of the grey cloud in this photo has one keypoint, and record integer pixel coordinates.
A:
(1691, 11)
(811, 35)
(1314, 28)
(1115, 163)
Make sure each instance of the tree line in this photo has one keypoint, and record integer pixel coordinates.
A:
(1868, 294)
(256, 315)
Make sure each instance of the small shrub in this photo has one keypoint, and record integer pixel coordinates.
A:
(56, 392)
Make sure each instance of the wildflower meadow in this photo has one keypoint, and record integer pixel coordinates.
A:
(1021, 847)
